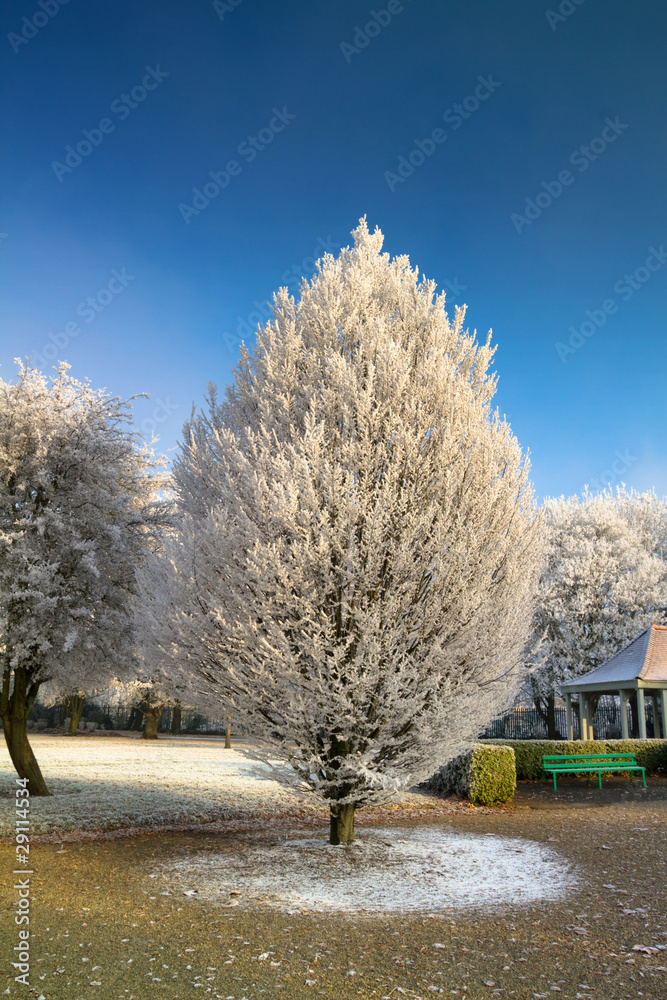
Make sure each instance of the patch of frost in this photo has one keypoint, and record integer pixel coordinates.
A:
(425, 869)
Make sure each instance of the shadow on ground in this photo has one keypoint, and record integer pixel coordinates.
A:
(587, 793)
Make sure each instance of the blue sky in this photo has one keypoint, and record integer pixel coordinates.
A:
(531, 140)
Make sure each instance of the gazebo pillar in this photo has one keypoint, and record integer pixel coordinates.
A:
(569, 727)
(641, 712)
(584, 721)
(625, 733)
(663, 701)
(657, 731)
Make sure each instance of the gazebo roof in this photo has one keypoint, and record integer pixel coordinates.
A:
(642, 663)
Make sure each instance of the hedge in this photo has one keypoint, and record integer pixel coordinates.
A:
(486, 775)
(651, 754)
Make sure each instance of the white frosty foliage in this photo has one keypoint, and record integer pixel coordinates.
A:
(604, 581)
(78, 511)
(357, 556)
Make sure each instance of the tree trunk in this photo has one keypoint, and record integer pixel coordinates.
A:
(136, 718)
(15, 709)
(176, 719)
(228, 733)
(546, 709)
(75, 705)
(152, 718)
(341, 830)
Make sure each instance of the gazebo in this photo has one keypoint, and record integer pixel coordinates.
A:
(638, 671)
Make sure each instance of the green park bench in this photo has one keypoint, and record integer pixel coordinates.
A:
(582, 763)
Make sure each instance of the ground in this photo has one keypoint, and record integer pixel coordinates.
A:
(227, 908)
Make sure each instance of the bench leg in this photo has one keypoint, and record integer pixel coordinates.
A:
(555, 788)
(644, 776)
(600, 780)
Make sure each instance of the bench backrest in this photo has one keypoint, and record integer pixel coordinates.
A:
(555, 760)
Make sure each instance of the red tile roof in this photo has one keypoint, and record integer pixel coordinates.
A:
(645, 658)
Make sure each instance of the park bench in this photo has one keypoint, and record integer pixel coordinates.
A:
(590, 762)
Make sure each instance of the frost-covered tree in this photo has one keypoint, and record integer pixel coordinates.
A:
(147, 695)
(358, 555)
(79, 509)
(604, 580)
(73, 703)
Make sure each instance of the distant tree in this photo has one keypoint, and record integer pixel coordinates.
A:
(176, 717)
(73, 703)
(358, 549)
(150, 705)
(146, 695)
(79, 510)
(604, 580)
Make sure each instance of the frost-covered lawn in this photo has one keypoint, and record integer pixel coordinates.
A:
(103, 783)
(107, 783)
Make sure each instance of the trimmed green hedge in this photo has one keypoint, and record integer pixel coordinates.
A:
(486, 775)
(651, 754)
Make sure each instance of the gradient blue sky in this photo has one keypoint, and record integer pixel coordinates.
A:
(597, 415)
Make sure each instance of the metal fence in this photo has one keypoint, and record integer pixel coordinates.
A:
(524, 722)
(520, 723)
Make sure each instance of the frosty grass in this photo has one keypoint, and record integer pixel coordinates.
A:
(108, 783)
(427, 869)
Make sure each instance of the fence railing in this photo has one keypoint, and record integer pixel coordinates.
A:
(525, 723)
(520, 723)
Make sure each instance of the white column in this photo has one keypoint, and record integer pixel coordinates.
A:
(625, 734)
(641, 712)
(583, 728)
(569, 726)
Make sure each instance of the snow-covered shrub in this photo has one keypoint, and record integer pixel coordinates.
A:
(486, 775)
